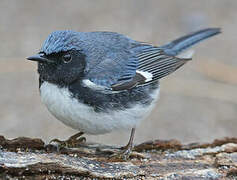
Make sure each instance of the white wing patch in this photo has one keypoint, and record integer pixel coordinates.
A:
(186, 54)
(146, 75)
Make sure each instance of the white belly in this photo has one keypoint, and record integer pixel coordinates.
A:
(83, 117)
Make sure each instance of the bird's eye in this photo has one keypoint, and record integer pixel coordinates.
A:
(67, 58)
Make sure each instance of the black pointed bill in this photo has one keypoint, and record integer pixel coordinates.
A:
(39, 58)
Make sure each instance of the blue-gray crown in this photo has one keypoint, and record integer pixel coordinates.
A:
(59, 41)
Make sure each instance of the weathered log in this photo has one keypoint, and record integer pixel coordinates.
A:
(31, 159)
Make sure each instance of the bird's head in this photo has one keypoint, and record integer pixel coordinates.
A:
(60, 60)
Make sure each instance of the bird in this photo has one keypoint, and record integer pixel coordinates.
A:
(99, 82)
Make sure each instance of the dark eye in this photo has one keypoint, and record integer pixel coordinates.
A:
(67, 58)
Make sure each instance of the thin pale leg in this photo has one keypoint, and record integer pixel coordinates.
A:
(126, 150)
(129, 146)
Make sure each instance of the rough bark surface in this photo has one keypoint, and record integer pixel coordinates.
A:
(26, 158)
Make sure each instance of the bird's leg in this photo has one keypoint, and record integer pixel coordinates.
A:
(75, 140)
(72, 142)
(129, 146)
(126, 150)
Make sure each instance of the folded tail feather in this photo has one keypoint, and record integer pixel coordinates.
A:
(179, 45)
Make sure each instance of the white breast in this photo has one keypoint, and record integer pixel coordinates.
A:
(83, 117)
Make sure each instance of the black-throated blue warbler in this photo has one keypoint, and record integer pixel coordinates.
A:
(99, 82)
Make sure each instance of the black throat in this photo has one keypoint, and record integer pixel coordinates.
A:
(61, 72)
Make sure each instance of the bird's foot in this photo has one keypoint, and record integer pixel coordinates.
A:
(73, 142)
(126, 151)
(123, 154)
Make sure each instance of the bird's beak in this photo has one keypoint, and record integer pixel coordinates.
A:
(40, 58)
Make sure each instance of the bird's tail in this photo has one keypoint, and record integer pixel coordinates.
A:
(183, 43)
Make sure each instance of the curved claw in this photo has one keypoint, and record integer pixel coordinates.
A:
(72, 142)
(122, 155)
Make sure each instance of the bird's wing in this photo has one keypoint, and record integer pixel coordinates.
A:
(148, 65)
(115, 68)
(153, 65)
(155, 61)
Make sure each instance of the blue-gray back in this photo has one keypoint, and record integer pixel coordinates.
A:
(112, 58)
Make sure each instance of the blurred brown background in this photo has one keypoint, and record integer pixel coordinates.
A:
(197, 103)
